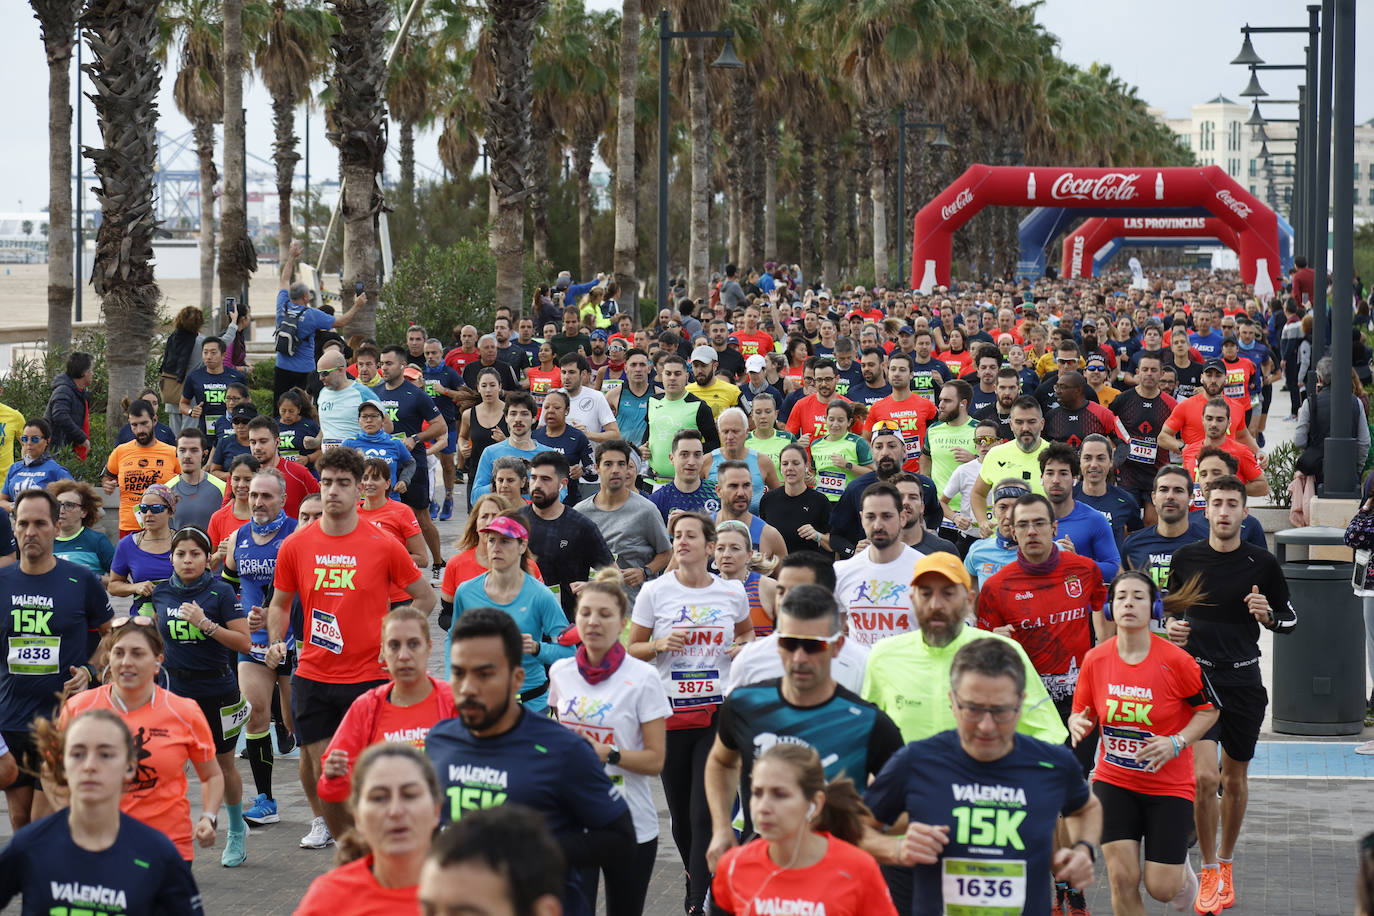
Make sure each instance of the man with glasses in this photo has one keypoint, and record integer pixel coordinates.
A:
(982, 801)
(338, 403)
(1096, 373)
(1066, 360)
(805, 706)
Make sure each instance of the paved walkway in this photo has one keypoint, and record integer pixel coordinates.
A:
(1310, 802)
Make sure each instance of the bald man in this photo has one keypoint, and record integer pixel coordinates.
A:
(338, 402)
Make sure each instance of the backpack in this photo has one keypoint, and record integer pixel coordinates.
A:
(289, 331)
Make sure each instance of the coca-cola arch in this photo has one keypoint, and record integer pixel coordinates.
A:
(1089, 188)
(1082, 245)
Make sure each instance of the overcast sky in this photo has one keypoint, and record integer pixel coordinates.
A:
(1176, 51)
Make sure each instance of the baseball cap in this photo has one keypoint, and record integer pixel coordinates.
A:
(906, 329)
(508, 526)
(704, 354)
(732, 339)
(375, 405)
(563, 283)
(823, 294)
(1214, 364)
(243, 413)
(756, 363)
(945, 565)
(1089, 323)
(1231, 339)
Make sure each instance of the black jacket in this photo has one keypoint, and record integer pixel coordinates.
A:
(67, 408)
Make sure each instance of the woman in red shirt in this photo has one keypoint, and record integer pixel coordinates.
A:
(805, 854)
(401, 711)
(1146, 695)
(229, 518)
(395, 801)
(547, 376)
(957, 357)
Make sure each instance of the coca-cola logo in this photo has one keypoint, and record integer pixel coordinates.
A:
(1111, 186)
(1078, 256)
(961, 200)
(1238, 207)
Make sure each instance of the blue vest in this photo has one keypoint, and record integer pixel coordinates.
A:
(752, 459)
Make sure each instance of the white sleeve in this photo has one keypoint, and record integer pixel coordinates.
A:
(603, 410)
(643, 613)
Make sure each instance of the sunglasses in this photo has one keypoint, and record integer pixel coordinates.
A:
(323, 372)
(138, 620)
(888, 424)
(155, 509)
(33, 439)
(985, 440)
(811, 645)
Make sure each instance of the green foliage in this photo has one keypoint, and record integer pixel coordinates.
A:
(1279, 471)
(443, 286)
(260, 375)
(1364, 254)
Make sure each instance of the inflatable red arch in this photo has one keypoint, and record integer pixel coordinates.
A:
(1255, 225)
(1081, 244)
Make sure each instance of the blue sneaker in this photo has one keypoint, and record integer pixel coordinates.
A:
(234, 852)
(433, 510)
(447, 512)
(263, 811)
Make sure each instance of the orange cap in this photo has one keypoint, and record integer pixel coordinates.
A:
(942, 563)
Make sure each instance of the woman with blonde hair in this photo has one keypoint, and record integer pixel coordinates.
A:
(395, 802)
(737, 559)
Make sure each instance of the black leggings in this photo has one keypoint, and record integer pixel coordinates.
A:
(627, 884)
(684, 773)
(1290, 378)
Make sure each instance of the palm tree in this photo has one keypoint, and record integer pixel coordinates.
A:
(356, 121)
(199, 95)
(626, 211)
(590, 112)
(408, 96)
(510, 33)
(57, 21)
(125, 74)
(237, 257)
(699, 15)
(291, 55)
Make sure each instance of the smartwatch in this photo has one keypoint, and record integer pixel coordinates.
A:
(613, 758)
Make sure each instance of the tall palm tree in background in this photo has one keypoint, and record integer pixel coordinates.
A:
(194, 27)
(626, 209)
(237, 256)
(510, 33)
(292, 53)
(590, 113)
(122, 35)
(699, 15)
(408, 96)
(57, 21)
(356, 120)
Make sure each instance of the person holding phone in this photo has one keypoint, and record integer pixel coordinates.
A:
(293, 301)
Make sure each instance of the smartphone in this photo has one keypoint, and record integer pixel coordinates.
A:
(230, 304)
(358, 288)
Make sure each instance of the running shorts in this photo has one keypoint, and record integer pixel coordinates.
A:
(317, 707)
(1164, 822)
(227, 714)
(1242, 717)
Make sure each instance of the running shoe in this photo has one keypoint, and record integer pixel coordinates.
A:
(1189, 889)
(1208, 891)
(286, 741)
(263, 811)
(318, 837)
(1059, 888)
(439, 571)
(234, 853)
(1367, 749)
(446, 513)
(1228, 886)
(433, 510)
(1075, 904)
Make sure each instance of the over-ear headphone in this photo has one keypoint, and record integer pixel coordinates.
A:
(1156, 609)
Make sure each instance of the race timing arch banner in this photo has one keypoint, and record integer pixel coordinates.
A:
(1081, 246)
(1208, 187)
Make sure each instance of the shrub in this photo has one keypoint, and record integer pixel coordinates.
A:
(1279, 471)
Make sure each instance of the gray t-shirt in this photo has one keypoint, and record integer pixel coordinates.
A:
(634, 533)
(197, 502)
(732, 294)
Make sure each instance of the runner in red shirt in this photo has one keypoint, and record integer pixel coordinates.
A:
(751, 339)
(391, 516)
(343, 569)
(262, 441)
(1240, 373)
(911, 412)
(1184, 425)
(807, 419)
(1147, 697)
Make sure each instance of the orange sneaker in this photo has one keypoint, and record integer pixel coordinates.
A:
(1208, 891)
(1228, 887)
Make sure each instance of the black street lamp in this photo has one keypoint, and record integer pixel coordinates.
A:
(726, 61)
(940, 144)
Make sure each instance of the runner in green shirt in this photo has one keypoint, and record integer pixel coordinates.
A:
(840, 456)
(949, 441)
(767, 439)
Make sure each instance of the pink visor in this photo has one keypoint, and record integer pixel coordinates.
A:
(508, 526)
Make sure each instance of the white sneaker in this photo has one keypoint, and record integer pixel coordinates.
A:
(318, 837)
(1367, 749)
(1189, 891)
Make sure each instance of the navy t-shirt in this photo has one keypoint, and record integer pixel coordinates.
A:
(538, 763)
(44, 620)
(1118, 507)
(141, 873)
(7, 543)
(447, 377)
(1152, 553)
(409, 409)
(187, 648)
(1001, 817)
(203, 387)
(575, 446)
(291, 437)
(227, 448)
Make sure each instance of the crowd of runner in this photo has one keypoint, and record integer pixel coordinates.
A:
(911, 604)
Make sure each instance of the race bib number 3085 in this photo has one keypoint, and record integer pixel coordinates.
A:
(325, 632)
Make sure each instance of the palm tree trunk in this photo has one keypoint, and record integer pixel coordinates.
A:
(582, 158)
(125, 76)
(408, 163)
(539, 193)
(875, 140)
(204, 132)
(860, 185)
(770, 192)
(625, 200)
(57, 19)
(830, 194)
(285, 157)
(854, 225)
(237, 257)
(806, 231)
(756, 210)
(699, 248)
(512, 24)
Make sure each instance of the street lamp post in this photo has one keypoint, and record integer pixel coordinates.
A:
(726, 61)
(941, 142)
(1341, 476)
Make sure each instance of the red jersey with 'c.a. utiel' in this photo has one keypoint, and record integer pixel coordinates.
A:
(1134, 703)
(343, 582)
(1050, 615)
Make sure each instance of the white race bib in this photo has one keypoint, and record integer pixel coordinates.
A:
(695, 687)
(983, 887)
(831, 484)
(232, 717)
(1143, 451)
(325, 632)
(34, 654)
(327, 444)
(1120, 746)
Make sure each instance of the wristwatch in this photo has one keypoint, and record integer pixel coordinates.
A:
(214, 819)
(1092, 850)
(613, 758)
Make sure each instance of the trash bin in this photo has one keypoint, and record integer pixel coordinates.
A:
(1319, 667)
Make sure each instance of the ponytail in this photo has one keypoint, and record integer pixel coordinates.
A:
(843, 813)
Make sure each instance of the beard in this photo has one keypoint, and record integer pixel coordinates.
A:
(886, 466)
(477, 717)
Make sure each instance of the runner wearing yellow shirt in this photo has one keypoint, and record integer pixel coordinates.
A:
(716, 392)
(11, 425)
